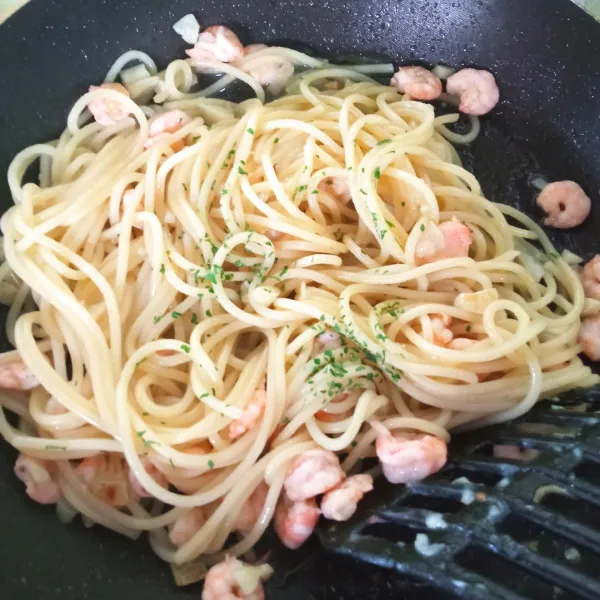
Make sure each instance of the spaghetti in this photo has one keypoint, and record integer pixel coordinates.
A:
(321, 259)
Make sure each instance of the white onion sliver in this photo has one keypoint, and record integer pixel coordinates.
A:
(188, 28)
(442, 71)
(65, 511)
(248, 577)
(134, 74)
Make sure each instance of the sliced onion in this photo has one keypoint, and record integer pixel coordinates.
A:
(531, 259)
(87, 522)
(188, 28)
(65, 511)
(442, 71)
(188, 573)
(571, 258)
(248, 578)
(134, 74)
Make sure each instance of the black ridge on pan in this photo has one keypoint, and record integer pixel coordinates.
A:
(546, 56)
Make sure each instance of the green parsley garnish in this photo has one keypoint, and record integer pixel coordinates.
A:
(422, 227)
(185, 348)
(386, 141)
(211, 464)
(250, 130)
(175, 315)
(377, 173)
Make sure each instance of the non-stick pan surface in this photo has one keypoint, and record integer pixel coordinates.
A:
(546, 57)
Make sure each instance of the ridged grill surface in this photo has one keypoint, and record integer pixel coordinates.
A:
(516, 530)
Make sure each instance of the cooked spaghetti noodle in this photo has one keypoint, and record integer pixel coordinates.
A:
(155, 290)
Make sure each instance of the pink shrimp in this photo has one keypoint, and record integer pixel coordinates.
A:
(407, 457)
(328, 340)
(235, 580)
(106, 477)
(448, 240)
(590, 277)
(183, 529)
(251, 509)
(168, 122)
(251, 48)
(442, 334)
(39, 477)
(333, 417)
(312, 473)
(15, 375)
(274, 235)
(250, 415)
(159, 477)
(107, 111)
(417, 82)
(54, 407)
(295, 521)
(477, 89)
(339, 504)
(274, 73)
(589, 337)
(461, 344)
(565, 203)
(515, 453)
(337, 187)
(216, 44)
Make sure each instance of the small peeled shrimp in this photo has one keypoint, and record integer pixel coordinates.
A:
(15, 375)
(167, 122)
(251, 48)
(295, 521)
(252, 508)
(339, 504)
(461, 344)
(477, 89)
(216, 43)
(334, 417)
(106, 477)
(54, 407)
(442, 334)
(274, 73)
(312, 473)
(337, 187)
(565, 203)
(39, 478)
(183, 529)
(476, 301)
(407, 457)
(159, 477)
(107, 111)
(590, 277)
(589, 337)
(328, 340)
(448, 240)
(417, 82)
(234, 580)
(250, 415)
(515, 452)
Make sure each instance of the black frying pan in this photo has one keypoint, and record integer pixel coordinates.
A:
(546, 57)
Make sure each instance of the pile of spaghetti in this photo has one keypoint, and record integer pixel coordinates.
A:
(206, 291)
